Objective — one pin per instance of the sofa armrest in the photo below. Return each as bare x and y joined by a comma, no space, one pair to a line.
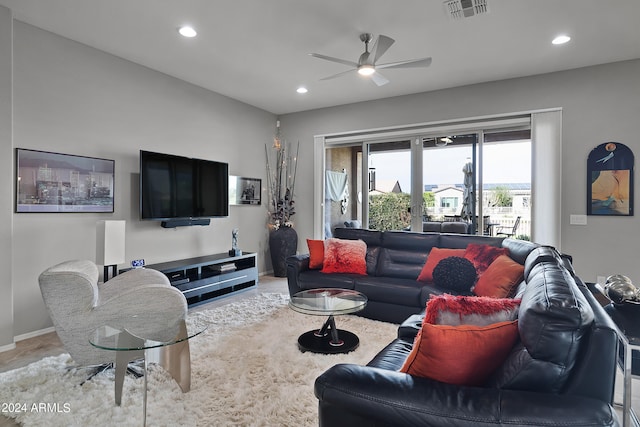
295,265
353,395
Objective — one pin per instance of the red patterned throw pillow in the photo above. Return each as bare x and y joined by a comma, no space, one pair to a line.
483,255
344,256
463,353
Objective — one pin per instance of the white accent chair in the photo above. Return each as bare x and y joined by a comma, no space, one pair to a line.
141,301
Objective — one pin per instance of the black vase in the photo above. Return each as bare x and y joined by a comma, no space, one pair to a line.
283,243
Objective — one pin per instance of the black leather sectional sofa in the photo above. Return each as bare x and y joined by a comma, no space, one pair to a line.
394,261
561,372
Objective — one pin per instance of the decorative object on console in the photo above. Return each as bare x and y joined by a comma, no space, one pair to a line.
620,289
234,243
282,165
110,246
610,180
54,182
344,256
137,263
455,273
461,354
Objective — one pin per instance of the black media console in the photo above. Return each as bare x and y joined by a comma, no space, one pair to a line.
203,278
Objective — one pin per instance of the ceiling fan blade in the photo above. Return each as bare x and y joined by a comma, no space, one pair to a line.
411,63
382,44
333,76
379,79
338,60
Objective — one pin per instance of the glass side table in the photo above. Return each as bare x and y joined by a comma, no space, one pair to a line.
328,302
130,347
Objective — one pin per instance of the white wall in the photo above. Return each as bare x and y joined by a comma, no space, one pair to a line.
599,104
6,171
74,99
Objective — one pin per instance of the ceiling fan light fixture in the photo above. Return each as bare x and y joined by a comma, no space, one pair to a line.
366,70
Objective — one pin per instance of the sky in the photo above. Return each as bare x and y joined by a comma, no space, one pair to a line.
503,163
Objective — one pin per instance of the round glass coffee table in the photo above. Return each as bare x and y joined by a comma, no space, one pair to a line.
328,302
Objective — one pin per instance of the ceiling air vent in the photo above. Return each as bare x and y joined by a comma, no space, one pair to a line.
459,9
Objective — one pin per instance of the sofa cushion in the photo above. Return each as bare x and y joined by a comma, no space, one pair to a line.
483,255
398,263
316,253
554,320
396,291
313,279
463,355
370,237
455,273
435,256
500,278
344,256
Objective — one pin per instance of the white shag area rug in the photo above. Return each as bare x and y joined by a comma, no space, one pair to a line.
246,370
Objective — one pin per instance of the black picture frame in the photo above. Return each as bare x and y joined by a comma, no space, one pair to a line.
61,183
245,191
610,168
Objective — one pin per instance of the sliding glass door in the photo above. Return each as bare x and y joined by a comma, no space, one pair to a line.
481,176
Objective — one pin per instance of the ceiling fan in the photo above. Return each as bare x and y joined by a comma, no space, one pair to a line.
367,63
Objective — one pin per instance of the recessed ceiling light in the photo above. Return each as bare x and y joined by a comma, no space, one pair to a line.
561,39
302,89
187,31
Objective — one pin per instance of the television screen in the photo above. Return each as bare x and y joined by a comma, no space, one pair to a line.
176,187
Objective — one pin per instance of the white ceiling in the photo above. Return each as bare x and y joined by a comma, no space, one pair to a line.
256,51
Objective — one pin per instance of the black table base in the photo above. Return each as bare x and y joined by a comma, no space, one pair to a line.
328,340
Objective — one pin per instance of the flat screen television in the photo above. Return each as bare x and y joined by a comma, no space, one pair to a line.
174,188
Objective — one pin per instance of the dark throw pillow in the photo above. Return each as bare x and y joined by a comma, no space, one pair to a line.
455,273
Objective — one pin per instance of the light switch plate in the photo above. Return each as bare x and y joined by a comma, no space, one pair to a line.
578,219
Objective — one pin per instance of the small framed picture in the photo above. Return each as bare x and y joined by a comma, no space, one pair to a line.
245,191
55,182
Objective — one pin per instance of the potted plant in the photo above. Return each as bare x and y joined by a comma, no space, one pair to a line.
281,178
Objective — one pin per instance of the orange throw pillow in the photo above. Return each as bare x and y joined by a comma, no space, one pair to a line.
462,355
435,256
316,253
500,278
345,256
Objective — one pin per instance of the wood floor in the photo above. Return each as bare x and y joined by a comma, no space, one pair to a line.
34,349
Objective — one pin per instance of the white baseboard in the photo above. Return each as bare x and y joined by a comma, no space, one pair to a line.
33,334
7,347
